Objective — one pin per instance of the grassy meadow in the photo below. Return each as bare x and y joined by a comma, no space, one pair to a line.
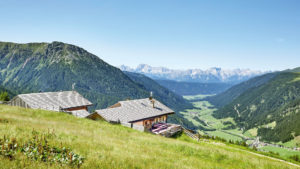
113,146
283,152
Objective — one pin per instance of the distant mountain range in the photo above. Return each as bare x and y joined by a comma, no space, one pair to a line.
212,75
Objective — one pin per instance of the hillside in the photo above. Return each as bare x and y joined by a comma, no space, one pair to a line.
3,89
35,67
194,88
232,93
105,145
270,105
287,121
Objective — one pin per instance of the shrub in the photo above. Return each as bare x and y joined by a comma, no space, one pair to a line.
38,149
295,158
8,147
4,96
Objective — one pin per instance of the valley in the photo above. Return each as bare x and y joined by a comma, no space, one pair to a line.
202,117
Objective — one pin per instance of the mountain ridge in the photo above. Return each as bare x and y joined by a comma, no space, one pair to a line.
194,88
212,75
35,67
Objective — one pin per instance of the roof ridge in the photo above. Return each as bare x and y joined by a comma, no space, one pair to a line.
137,99
48,92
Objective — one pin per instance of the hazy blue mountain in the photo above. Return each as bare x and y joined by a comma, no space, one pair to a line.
212,75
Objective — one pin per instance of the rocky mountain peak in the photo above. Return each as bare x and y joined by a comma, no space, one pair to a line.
211,75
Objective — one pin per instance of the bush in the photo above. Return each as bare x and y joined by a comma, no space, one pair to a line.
38,149
4,96
295,158
9,147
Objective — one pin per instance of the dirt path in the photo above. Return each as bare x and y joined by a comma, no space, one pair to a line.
272,158
260,155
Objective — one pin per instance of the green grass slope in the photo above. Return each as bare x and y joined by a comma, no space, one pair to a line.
113,146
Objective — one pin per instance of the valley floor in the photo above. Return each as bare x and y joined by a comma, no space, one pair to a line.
113,146
201,117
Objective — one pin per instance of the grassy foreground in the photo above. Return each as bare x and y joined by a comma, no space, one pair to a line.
113,146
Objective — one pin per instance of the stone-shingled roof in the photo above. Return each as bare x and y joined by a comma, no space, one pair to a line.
134,110
54,101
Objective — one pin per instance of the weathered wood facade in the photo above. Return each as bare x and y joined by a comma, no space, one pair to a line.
16,101
150,121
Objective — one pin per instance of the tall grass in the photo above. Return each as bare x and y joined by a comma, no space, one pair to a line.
113,146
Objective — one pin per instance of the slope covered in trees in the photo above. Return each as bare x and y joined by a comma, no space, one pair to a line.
229,95
161,93
55,66
275,101
194,88
287,124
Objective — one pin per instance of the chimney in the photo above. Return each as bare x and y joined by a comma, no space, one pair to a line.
151,99
73,86
151,96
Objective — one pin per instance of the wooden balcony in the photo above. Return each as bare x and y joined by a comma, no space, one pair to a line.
165,129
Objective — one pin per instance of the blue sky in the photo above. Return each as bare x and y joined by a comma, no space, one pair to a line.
256,34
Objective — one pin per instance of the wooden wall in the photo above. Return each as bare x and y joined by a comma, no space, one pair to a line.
148,122
18,102
78,108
